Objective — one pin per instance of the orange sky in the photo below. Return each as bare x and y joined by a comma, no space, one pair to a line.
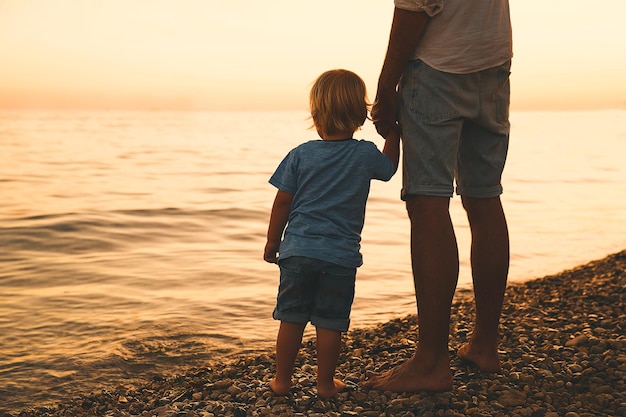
245,54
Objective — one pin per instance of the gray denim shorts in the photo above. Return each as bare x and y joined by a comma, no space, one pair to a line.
317,291
455,128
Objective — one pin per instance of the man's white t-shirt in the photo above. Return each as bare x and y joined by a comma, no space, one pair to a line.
463,36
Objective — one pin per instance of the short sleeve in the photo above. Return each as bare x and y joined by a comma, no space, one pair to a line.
430,7
382,167
285,178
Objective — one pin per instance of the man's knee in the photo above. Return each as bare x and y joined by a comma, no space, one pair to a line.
422,206
478,208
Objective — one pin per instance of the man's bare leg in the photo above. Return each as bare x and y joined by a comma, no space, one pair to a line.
490,266
435,262
288,345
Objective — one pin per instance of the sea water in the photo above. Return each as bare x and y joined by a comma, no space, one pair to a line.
131,242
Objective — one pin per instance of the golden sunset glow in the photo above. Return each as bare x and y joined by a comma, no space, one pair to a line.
219,55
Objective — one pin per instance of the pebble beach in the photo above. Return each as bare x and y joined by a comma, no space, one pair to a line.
563,351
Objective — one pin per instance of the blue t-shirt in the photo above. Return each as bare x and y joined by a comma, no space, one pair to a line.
330,181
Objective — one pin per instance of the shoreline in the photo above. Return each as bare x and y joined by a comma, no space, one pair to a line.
563,345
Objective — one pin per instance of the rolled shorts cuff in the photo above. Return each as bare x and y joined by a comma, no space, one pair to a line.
291,317
480,192
427,191
338,325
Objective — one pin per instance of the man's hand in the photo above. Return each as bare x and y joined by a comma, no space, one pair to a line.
385,111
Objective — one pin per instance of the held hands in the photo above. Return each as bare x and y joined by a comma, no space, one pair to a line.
385,111
271,252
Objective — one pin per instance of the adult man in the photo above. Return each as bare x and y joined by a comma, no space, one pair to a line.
445,79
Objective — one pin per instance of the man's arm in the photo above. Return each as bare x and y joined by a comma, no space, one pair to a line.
406,30
278,220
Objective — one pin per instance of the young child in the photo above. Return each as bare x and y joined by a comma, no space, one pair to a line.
323,186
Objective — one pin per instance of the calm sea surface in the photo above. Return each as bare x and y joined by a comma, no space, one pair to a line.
131,242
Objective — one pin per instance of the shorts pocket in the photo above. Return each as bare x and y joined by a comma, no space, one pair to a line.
503,94
428,93
335,294
293,287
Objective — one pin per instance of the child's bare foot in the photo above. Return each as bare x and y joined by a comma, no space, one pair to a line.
329,390
280,389
487,360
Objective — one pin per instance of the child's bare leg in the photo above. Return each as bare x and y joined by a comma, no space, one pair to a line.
288,344
328,350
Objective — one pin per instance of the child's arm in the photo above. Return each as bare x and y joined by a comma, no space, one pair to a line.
392,147
278,221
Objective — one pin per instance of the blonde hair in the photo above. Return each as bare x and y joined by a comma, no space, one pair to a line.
338,102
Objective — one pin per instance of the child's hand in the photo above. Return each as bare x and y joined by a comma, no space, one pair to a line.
271,252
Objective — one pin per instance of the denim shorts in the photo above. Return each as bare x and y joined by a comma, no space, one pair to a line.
455,128
317,291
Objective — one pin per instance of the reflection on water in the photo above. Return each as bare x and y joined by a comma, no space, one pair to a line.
132,241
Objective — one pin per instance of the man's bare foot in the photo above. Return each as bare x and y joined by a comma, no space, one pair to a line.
279,388
329,390
413,376
487,360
